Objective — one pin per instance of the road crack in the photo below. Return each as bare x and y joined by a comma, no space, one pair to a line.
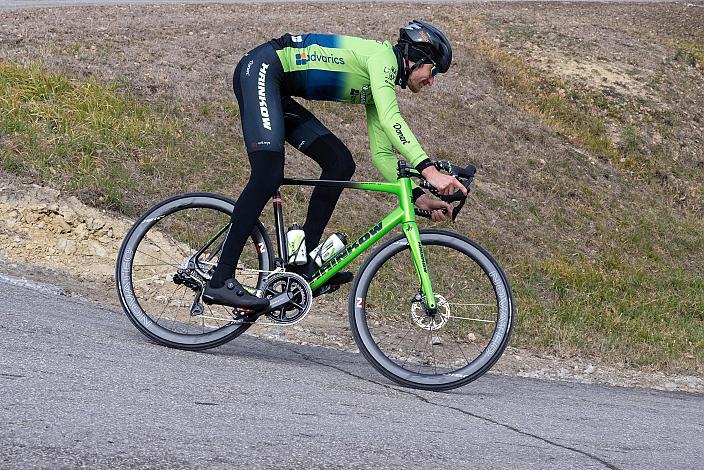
12,376
518,431
514,429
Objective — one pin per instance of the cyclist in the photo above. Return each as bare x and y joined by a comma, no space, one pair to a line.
332,68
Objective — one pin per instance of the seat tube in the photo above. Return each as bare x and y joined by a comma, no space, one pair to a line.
279,224
410,230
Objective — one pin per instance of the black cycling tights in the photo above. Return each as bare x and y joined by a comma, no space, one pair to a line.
336,163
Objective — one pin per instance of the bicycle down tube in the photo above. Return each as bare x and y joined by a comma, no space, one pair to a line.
404,215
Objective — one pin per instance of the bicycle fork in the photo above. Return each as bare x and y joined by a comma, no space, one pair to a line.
410,229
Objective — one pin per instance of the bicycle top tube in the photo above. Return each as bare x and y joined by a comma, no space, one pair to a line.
386,187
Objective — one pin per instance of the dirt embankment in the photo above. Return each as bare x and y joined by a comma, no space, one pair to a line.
50,237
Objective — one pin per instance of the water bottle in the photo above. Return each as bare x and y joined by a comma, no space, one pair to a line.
329,248
296,245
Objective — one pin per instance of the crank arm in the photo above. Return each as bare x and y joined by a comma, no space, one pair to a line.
279,300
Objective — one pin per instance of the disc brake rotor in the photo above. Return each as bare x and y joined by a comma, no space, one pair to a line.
430,322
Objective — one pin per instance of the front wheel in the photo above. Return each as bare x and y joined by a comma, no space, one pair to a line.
438,350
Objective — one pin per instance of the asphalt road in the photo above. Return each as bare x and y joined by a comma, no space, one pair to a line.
80,386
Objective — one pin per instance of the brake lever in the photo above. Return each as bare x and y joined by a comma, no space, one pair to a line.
429,214
457,196
465,173
456,210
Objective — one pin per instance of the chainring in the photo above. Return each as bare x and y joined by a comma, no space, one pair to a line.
298,289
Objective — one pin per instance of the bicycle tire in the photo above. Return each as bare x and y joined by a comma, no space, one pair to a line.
163,237
378,315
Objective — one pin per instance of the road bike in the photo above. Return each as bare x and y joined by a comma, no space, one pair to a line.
429,309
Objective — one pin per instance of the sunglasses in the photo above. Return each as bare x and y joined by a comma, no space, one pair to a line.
434,70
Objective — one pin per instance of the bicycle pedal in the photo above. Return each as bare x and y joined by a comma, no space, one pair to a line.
243,314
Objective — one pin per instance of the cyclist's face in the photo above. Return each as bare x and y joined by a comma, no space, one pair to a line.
422,76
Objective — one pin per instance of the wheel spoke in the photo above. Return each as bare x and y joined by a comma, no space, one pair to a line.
167,263
473,319
161,250
471,305
466,361
166,305
152,278
173,321
140,265
432,347
413,346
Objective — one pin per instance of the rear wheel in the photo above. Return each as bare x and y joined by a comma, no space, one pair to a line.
438,350
165,261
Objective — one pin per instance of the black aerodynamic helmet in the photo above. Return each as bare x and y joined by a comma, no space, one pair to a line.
420,41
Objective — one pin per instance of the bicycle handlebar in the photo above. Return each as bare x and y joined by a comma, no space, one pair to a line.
463,175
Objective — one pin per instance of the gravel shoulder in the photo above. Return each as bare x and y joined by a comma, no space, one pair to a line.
53,238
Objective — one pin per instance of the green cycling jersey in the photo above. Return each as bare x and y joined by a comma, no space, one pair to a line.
353,70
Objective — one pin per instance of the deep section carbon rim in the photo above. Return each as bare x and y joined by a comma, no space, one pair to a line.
432,350
166,259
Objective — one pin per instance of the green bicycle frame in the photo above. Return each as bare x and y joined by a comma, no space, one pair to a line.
404,214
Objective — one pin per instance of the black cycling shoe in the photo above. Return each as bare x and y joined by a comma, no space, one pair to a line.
333,283
343,277
232,294
307,270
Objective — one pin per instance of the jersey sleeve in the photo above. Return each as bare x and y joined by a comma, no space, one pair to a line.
382,77
383,156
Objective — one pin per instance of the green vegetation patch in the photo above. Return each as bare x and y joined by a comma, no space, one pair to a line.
81,135
86,137
605,123
690,53
637,297
633,313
